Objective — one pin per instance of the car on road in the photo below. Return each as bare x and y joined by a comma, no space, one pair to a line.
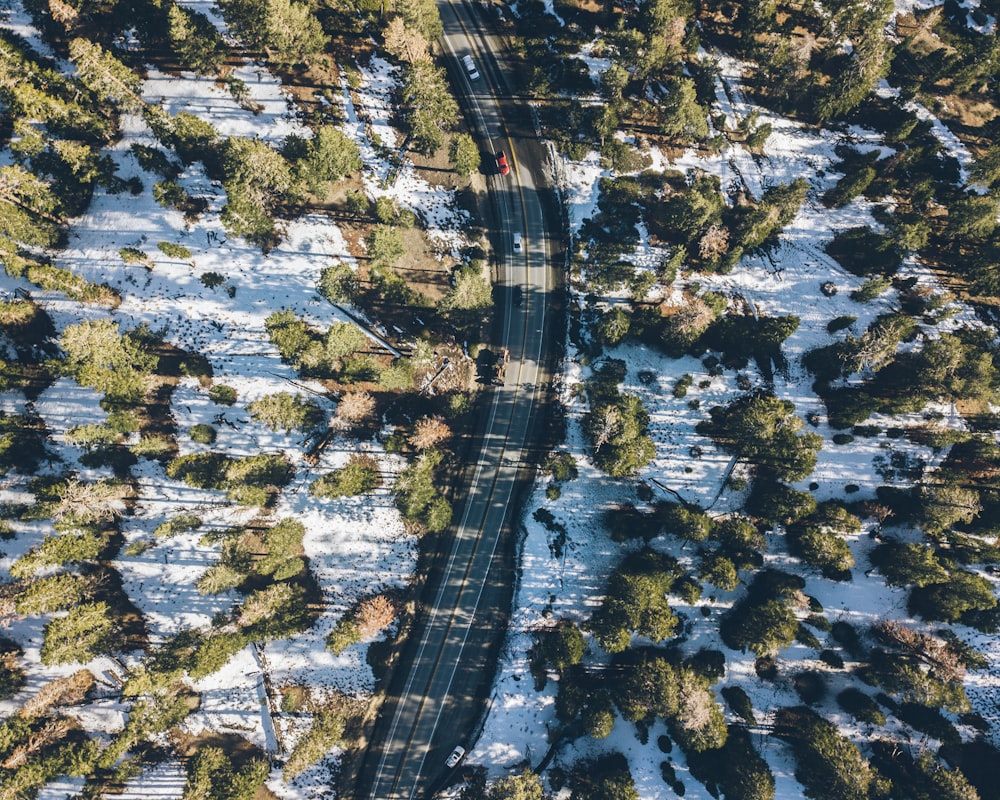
455,756
470,68
502,166
517,243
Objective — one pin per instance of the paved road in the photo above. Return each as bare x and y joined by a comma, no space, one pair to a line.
431,710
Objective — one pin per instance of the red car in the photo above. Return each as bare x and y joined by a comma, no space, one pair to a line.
502,166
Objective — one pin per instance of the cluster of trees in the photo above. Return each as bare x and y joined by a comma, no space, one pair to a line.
828,765
954,366
764,620
635,601
251,480
212,775
286,30
256,555
344,353
616,423
418,496
764,432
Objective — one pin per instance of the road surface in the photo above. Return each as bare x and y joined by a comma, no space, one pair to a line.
430,707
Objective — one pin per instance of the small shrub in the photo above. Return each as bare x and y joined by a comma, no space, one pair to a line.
138,547
739,701
182,523
831,658
84,633
287,412
152,447
222,395
211,280
870,289
361,475
345,633
860,706
326,733
561,466
806,637
202,434
133,256
810,686
840,323
173,250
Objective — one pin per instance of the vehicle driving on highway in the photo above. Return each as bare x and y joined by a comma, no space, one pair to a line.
517,243
455,756
502,166
470,68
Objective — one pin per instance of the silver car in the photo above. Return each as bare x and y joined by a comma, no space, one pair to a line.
470,68
455,757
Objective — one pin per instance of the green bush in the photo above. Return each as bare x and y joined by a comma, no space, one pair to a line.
603,778
86,632
561,466
635,602
416,495
222,395
736,769
202,434
360,476
840,323
53,593
344,634
860,706
211,280
765,432
283,546
326,733
132,255
739,702
67,548
762,621
950,601
173,250
12,676
287,412
829,766
211,775
338,283
182,523
870,289
683,384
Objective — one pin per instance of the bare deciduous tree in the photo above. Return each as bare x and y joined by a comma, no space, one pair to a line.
355,408
63,691
406,45
429,431
92,502
714,243
375,614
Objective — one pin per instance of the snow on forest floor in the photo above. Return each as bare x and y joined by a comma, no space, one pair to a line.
568,582
355,545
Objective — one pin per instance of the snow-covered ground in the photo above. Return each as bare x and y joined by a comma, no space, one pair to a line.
355,545
569,584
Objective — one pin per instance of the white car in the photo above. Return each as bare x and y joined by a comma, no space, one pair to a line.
517,243
470,68
455,757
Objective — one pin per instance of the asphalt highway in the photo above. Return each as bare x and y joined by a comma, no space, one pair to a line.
429,712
